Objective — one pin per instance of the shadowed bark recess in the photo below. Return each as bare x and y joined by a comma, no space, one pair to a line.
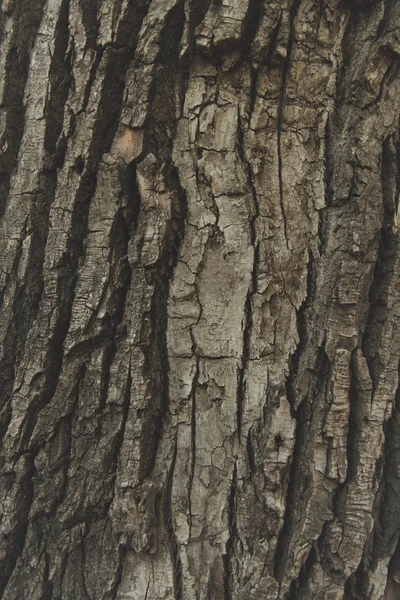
199,300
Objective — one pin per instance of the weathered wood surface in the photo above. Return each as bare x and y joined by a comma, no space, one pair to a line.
200,286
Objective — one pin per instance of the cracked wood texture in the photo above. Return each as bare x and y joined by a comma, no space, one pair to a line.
200,300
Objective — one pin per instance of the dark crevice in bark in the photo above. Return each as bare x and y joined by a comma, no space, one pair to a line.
328,186
5,15
297,487
85,348
122,53
249,27
248,308
328,166
360,4
57,448
394,564
388,76
94,511
160,132
16,536
124,224
12,275
167,509
130,195
253,91
356,413
247,327
237,46
390,16
156,365
250,451
27,18
160,123
300,478
197,12
387,17
356,587
230,556
60,78
114,454
116,445
323,223
299,589
156,369
58,452
386,515
114,588
156,353
129,27
357,420
47,586
61,575
74,561
89,20
120,275
85,100
301,319
7,363
82,562
388,526
29,291
192,442
345,72
108,357
274,41
63,430
281,109
350,93
323,557
384,268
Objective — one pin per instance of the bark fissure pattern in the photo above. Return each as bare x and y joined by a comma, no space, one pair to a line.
199,285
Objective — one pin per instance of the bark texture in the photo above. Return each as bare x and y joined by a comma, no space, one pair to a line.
200,300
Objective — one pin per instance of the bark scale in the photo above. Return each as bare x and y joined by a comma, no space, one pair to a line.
200,292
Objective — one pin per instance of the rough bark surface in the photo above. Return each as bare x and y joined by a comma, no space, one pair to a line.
200,299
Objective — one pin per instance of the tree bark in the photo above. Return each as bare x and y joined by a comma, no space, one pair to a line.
200,299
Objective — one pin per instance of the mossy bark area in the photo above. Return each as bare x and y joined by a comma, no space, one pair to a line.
200,300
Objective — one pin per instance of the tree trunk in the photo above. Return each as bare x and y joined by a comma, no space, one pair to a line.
200,286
